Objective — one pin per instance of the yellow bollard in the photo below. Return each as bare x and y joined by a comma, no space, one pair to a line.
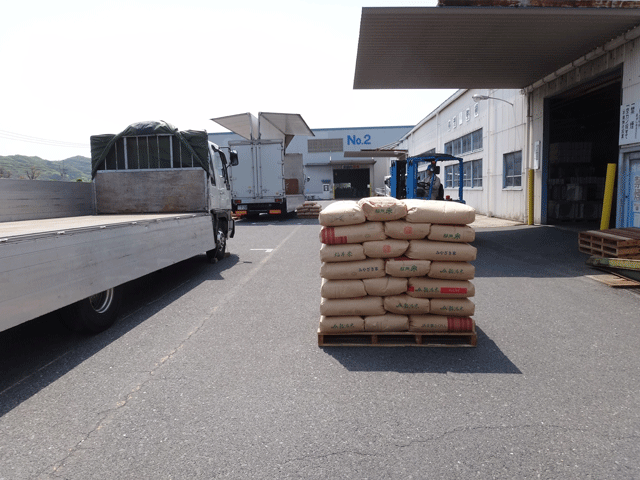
608,196
530,188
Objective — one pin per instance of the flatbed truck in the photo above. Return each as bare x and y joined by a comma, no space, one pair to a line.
158,196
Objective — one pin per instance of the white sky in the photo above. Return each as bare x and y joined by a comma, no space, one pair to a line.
70,69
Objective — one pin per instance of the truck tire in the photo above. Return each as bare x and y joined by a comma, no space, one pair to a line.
221,243
94,314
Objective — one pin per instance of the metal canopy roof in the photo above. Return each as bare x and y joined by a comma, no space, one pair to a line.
478,47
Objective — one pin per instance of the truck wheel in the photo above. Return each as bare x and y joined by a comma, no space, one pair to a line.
94,314
221,243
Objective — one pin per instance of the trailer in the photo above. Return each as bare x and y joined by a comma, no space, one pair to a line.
158,196
269,180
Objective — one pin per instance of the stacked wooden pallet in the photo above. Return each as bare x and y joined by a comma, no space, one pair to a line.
397,273
309,210
612,243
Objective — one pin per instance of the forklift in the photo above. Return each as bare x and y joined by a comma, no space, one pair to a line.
405,181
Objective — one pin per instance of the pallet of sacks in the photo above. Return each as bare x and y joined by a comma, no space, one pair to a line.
397,273
309,210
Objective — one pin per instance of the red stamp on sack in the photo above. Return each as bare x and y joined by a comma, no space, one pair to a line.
453,290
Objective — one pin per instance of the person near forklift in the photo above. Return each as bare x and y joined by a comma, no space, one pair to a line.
437,193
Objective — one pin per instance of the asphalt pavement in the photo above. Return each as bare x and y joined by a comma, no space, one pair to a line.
213,371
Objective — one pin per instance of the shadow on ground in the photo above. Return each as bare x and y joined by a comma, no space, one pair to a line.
486,357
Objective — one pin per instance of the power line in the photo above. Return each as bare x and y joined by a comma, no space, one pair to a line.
42,141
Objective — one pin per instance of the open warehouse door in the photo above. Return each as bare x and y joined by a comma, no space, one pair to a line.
582,128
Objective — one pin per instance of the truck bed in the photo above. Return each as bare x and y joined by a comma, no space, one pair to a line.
50,263
12,231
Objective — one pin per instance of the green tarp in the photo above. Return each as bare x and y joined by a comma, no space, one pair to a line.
193,141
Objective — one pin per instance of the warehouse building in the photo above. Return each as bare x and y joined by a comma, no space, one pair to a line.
328,173
544,110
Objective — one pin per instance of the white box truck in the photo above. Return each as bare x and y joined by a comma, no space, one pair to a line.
158,196
268,180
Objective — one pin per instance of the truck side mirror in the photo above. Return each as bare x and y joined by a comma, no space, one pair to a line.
437,170
233,158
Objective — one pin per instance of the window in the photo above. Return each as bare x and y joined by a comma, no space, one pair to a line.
452,176
476,173
471,142
512,170
476,110
467,115
466,170
471,175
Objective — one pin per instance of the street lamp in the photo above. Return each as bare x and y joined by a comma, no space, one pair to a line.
477,98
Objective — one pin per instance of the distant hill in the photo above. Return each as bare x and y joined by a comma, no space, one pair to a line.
20,166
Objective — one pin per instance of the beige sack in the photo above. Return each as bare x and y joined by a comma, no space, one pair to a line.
452,270
336,307
344,324
452,233
423,287
353,233
439,323
347,252
382,209
406,305
403,230
342,288
389,322
344,212
443,251
388,248
460,307
407,267
385,286
436,211
370,268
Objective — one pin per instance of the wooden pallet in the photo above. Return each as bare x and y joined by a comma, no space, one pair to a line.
612,243
398,339
614,280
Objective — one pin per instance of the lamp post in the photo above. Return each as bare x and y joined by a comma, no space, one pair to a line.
477,98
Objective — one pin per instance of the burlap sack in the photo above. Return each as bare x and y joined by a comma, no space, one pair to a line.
443,212
382,209
337,307
407,267
462,307
406,305
439,323
389,322
388,248
443,251
370,268
452,270
344,212
363,232
452,233
342,288
423,287
385,286
347,252
403,230
345,324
